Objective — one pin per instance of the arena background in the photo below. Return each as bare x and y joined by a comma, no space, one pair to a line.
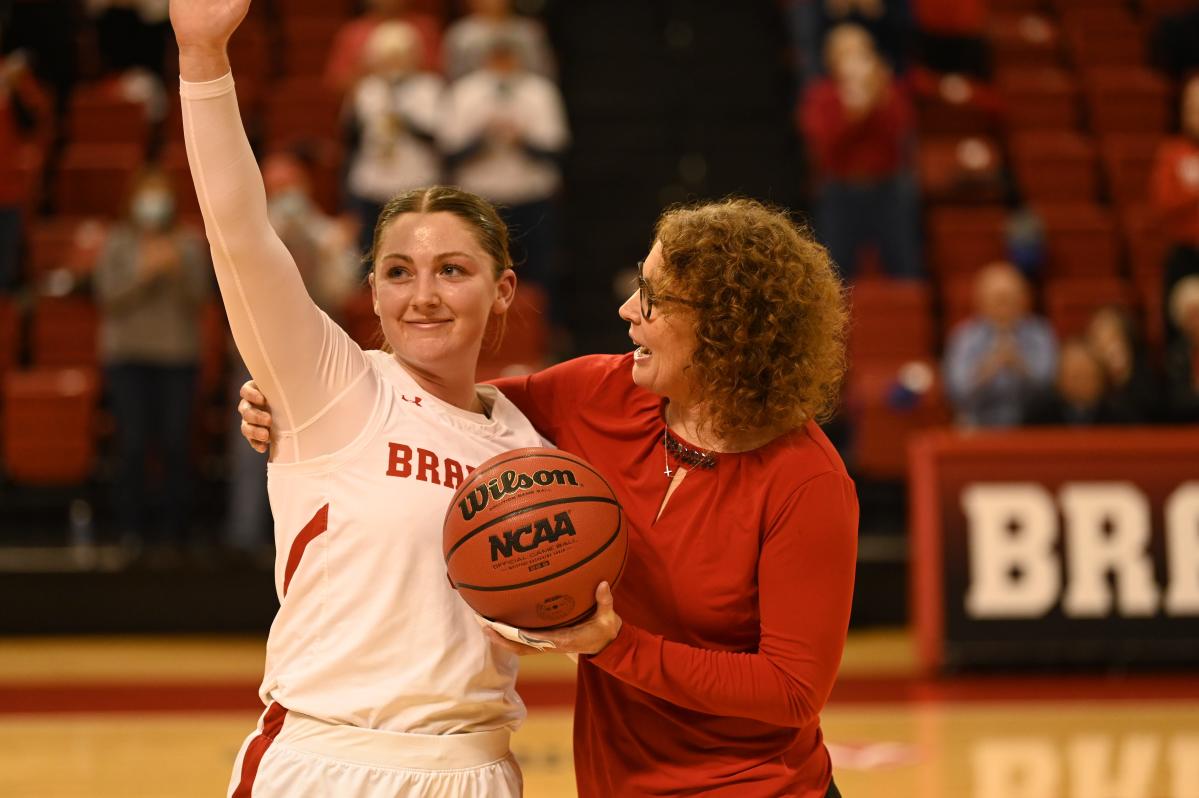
1026,615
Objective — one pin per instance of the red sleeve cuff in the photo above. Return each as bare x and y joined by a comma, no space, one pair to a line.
619,651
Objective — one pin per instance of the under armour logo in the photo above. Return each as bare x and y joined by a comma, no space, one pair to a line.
415,401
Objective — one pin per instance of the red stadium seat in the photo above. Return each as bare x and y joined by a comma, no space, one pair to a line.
103,113
64,242
64,332
885,417
50,426
95,179
302,110
1157,8
1070,303
306,44
21,175
1024,40
891,321
963,240
1127,164
1055,166
1040,98
967,170
953,105
1144,238
315,8
1081,239
957,302
1127,100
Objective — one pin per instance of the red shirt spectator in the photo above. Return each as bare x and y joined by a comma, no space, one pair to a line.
345,55
1175,189
849,146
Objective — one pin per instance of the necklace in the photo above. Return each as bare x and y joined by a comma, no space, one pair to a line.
692,458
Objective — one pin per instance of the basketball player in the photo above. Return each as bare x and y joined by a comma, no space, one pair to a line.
707,672
378,681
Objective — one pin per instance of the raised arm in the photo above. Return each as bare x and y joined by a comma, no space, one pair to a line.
297,355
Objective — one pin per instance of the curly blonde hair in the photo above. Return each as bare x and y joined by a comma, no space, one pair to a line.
770,349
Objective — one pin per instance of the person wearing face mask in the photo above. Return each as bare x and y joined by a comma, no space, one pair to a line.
150,283
706,671
392,113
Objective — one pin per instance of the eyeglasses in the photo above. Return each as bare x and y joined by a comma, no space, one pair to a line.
649,298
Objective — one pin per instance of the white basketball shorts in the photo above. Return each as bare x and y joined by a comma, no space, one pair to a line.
295,756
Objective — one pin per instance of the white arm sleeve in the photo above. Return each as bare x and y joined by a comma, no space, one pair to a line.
303,362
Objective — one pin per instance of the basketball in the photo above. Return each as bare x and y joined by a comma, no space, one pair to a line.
530,535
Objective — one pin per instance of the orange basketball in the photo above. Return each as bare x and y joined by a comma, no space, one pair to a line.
530,535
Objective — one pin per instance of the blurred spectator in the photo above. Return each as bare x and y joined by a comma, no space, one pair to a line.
859,126
1133,392
503,131
949,36
329,264
151,282
1175,195
468,39
19,103
1182,363
888,22
1002,357
323,246
345,64
131,33
393,115
1079,395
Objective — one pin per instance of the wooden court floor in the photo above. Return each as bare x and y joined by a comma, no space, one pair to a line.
157,718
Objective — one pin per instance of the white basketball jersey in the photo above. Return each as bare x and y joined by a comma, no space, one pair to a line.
369,631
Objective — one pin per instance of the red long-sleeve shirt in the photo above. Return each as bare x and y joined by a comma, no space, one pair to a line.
871,147
735,602
1176,201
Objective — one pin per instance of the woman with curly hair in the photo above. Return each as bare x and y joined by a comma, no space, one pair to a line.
706,673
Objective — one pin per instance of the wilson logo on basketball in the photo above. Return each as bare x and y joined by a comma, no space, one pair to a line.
541,533
508,483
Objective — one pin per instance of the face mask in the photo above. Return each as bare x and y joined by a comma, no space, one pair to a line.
288,205
153,209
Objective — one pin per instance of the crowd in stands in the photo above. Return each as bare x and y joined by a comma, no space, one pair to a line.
1010,188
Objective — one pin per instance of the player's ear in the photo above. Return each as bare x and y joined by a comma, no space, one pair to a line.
370,278
505,286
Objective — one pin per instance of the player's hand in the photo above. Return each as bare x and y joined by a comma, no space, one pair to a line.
591,636
206,24
255,417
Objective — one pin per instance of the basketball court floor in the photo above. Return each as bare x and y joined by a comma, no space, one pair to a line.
163,717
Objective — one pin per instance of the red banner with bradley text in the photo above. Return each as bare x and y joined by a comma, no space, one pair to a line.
1050,548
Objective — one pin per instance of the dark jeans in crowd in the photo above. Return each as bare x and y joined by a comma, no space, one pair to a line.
248,526
533,237
886,214
366,211
10,248
152,406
